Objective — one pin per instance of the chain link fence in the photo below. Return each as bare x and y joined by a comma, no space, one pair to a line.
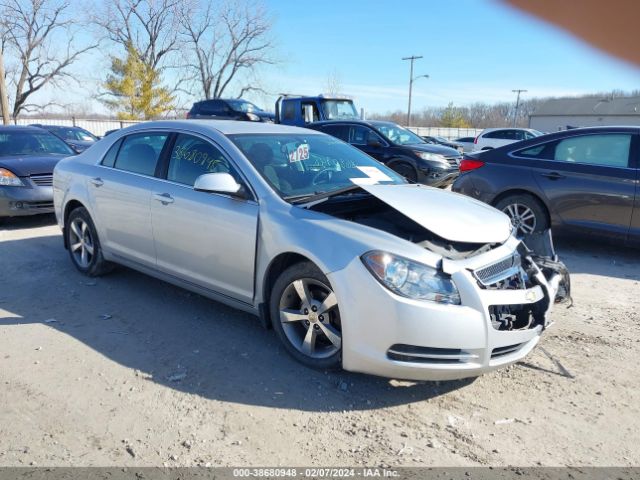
448,133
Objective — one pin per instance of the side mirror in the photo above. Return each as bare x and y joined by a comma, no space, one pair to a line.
219,183
373,141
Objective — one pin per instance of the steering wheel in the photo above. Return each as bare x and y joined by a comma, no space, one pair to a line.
318,176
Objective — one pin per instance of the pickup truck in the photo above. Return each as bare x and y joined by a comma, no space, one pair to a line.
300,110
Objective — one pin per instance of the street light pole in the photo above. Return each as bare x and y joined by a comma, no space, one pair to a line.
515,115
411,58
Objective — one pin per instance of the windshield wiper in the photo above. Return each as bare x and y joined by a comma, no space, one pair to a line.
311,197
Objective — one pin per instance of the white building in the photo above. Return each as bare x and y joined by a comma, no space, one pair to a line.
561,113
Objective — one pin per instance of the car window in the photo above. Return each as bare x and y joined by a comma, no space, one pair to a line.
529,135
288,111
109,159
315,116
359,135
23,142
610,150
308,164
191,157
338,131
140,153
517,134
495,134
212,107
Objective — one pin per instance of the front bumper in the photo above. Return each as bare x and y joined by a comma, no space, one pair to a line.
31,199
435,176
397,337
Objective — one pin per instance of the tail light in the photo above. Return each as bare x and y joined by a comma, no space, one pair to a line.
188,115
475,140
468,164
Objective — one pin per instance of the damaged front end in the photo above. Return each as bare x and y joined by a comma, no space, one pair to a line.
534,263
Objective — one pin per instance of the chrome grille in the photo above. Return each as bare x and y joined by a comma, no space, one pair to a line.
498,271
454,161
42,180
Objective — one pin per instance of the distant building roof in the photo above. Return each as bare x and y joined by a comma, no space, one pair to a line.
589,106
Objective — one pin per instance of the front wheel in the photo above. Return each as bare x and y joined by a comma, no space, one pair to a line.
406,170
304,312
84,245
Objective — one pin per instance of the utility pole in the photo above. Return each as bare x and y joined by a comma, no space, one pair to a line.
411,79
515,115
4,101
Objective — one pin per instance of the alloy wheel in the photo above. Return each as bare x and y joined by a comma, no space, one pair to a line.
522,217
81,242
310,318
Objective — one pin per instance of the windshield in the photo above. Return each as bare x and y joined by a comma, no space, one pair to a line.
29,143
339,109
243,106
68,133
298,165
399,135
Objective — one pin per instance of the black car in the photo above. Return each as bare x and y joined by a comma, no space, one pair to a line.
583,180
442,141
27,158
398,148
77,138
229,109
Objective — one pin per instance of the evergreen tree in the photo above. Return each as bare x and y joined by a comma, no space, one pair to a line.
135,89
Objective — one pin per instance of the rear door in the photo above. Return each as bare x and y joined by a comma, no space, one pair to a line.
121,196
634,230
204,238
588,181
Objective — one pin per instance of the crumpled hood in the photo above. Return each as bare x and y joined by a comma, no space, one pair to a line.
23,166
449,215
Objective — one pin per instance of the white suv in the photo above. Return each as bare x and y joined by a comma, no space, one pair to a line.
497,137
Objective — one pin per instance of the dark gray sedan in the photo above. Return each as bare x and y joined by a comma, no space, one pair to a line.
27,158
584,180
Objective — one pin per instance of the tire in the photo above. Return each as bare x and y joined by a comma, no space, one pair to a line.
526,212
305,316
84,245
406,170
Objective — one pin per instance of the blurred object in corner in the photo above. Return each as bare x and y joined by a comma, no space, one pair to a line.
611,26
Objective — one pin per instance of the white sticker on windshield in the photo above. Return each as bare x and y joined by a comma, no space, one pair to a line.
364,181
299,154
375,174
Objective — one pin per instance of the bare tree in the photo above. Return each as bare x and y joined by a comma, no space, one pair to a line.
149,26
225,41
39,34
334,83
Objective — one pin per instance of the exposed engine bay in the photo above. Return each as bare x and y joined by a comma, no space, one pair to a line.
534,263
368,210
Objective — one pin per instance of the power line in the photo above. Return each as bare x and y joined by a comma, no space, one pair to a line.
411,80
515,115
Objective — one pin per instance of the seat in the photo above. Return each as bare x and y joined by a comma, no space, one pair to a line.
138,158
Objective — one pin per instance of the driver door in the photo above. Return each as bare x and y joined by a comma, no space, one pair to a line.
204,238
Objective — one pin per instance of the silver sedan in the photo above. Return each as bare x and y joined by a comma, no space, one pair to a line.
351,265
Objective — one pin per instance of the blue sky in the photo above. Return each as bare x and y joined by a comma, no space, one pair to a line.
474,50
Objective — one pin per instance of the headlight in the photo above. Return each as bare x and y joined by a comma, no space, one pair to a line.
253,117
411,279
9,179
434,157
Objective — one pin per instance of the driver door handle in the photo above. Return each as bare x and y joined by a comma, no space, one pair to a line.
163,198
97,181
553,175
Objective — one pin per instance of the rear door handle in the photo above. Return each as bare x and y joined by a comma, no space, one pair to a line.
553,176
97,181
163,198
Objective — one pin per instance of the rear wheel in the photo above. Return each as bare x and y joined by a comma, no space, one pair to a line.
305,316
84,245
406,170
526,212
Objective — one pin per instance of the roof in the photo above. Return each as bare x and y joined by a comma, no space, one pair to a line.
357,121
589,106
226,127
21,128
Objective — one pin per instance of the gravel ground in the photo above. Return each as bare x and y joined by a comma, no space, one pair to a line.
128,370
